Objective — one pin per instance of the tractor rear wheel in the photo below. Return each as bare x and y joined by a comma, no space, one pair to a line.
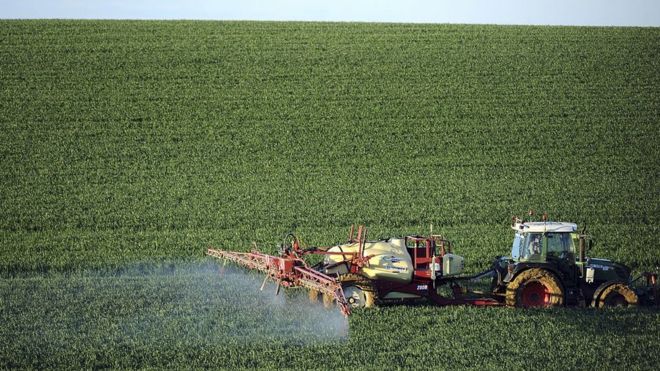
534,288
617,295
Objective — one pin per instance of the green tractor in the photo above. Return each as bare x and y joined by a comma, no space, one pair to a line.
549,267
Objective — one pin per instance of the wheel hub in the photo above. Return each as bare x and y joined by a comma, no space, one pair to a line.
355,296
535,294
616,301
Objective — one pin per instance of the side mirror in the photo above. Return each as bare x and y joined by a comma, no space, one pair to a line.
585,245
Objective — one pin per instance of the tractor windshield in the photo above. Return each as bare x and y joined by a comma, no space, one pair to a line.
531,246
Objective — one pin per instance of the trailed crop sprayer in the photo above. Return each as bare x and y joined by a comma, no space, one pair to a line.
361,273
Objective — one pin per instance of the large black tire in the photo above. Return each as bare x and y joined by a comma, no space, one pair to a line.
534,288
617,295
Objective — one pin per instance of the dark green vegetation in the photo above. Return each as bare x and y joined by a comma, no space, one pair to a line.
148,141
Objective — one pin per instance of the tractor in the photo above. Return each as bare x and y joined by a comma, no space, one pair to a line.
549,267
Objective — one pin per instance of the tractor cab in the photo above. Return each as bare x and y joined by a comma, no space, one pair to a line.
540,242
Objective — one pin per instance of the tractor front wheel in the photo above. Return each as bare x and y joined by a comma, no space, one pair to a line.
534,288
617,295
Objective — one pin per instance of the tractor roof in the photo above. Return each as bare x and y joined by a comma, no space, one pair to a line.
545,227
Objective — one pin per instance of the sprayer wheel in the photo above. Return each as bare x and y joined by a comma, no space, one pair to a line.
357,297
534,288
617,295
358,290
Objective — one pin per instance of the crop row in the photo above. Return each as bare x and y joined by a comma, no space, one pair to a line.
233,132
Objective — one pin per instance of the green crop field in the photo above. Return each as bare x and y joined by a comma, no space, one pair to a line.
129,147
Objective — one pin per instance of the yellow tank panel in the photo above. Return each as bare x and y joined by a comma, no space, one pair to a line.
390,260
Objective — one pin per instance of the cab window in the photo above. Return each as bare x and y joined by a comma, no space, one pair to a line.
560,245
515,249
532,245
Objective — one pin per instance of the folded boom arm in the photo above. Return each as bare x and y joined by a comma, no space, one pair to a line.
287,271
